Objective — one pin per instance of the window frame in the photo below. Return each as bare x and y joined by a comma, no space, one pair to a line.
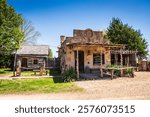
35,63
98,57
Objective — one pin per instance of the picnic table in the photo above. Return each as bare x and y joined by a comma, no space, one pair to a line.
112,69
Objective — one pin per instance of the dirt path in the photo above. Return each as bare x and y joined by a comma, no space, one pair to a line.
120,88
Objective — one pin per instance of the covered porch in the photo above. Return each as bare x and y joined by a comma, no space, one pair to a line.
108,55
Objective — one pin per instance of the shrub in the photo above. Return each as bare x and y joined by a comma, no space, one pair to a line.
54,72
129,71
69,75
117,72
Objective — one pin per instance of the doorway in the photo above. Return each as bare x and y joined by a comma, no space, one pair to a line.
24,62
80,61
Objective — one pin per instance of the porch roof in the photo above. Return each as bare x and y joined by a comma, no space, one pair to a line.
123,52
96,44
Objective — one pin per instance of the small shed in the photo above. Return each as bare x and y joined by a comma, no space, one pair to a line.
33,56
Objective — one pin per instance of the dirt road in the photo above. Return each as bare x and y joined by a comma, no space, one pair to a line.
120,88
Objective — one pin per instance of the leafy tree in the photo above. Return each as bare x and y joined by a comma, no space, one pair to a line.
30,35
10,31
50,55
120,33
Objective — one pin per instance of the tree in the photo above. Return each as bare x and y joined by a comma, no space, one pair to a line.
120,33
30,35
10,30
50,55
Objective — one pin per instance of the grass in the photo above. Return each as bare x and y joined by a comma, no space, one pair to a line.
27,73
5,71
42,85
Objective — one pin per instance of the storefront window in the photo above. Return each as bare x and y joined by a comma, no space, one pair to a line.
97,58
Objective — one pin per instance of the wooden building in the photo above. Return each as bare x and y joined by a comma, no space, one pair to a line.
33,56
144,65
89,50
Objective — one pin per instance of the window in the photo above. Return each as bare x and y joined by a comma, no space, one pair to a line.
97,58
35,61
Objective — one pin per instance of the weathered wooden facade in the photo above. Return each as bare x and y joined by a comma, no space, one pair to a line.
144,65
33,56
88,50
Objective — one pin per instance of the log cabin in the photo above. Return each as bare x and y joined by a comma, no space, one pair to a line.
33,56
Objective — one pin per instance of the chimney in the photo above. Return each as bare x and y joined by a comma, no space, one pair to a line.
62,39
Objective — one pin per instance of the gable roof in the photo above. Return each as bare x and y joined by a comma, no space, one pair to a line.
34,50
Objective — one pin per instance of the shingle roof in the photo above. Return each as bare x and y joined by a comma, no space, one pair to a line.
34,50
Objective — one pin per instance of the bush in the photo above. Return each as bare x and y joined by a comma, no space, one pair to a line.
117,72
4,70
58,80
69,75
54,72
129,72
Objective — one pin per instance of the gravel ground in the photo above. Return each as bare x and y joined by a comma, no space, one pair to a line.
119,88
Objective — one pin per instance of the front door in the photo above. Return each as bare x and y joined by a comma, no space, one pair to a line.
80,60
24,62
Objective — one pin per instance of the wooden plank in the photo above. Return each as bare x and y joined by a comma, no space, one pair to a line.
112,74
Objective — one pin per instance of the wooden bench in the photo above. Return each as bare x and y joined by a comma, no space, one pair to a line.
44,71
120,69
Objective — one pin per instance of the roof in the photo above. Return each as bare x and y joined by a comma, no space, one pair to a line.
97,44
34,50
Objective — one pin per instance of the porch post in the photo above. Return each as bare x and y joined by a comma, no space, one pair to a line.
14,67
121,62
136,61
77,67
128,60
115,54
121,57
101,70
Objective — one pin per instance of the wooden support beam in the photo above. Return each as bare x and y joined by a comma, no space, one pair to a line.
112,74
77,67
135,59
14,67
121,61
128,60
136,62
115,55
121,58
101,70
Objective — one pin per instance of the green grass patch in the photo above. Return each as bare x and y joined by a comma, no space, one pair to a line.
5,71
42,85
27,73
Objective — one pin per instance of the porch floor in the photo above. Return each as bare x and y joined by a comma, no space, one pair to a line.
94,76
89,76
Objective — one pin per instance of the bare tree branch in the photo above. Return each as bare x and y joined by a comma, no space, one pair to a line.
30,35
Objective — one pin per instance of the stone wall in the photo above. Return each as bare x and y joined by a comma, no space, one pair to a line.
88,56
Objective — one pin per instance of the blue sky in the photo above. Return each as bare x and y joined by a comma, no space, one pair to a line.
53,18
